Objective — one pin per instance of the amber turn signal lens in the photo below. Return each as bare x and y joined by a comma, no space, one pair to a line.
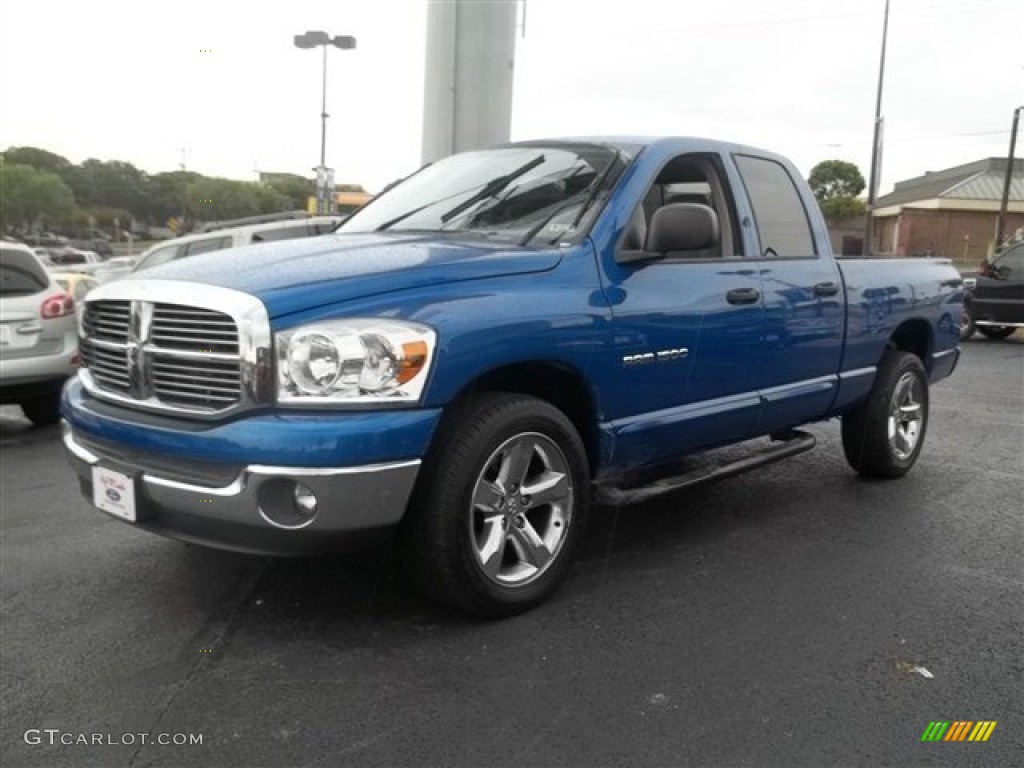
414,357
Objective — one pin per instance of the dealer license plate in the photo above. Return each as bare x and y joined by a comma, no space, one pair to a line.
114,492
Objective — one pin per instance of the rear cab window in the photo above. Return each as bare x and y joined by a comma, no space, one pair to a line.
783,228
21,274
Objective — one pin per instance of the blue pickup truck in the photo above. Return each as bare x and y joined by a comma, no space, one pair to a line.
493,344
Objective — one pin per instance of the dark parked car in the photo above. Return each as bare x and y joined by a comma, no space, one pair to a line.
994,301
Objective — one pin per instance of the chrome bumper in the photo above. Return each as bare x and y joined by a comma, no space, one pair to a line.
240,515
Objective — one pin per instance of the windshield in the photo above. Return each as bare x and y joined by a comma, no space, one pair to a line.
515,193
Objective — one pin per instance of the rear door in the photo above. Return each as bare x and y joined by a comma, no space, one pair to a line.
802,336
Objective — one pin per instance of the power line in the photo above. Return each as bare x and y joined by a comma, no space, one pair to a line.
933,137
974,5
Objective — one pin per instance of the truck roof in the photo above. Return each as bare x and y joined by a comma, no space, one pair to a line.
633,144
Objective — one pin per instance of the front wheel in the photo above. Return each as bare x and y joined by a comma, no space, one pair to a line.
996,331
499,507
883,436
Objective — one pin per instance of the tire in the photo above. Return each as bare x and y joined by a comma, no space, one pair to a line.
42,411
996,331
501,502
967,327
883,436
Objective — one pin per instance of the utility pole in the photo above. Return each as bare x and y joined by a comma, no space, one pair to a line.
1001,225
876,143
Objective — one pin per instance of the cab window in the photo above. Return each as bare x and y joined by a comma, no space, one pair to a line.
692,179
782,224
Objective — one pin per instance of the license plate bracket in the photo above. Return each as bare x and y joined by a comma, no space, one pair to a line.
116,493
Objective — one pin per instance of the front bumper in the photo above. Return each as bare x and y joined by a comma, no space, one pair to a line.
247,504
241,515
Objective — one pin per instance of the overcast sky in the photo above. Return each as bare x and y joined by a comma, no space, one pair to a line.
219,86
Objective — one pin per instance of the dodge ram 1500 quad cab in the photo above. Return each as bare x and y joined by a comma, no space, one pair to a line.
491,344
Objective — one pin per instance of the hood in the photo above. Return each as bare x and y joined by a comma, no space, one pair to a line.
297,275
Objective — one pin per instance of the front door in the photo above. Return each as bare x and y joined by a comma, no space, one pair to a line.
686,330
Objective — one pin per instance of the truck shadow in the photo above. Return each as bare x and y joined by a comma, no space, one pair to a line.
369,589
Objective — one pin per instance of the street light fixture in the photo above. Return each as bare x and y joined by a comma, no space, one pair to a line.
324,181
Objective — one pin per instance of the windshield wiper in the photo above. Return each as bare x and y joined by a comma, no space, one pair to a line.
491,188
591,197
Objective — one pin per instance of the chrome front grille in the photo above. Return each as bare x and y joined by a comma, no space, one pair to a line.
174,356
179,327
108,320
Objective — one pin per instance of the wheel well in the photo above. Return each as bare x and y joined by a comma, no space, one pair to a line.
560,385
914,336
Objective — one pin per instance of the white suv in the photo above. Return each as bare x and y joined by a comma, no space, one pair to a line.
233,237
38,343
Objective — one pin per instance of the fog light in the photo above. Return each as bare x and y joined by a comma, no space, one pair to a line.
285,503
305,500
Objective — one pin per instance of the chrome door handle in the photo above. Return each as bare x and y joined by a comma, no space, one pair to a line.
743,296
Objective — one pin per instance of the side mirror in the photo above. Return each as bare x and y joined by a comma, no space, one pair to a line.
1003,272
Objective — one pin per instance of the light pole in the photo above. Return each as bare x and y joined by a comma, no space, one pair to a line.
1001,226
324,180
876,142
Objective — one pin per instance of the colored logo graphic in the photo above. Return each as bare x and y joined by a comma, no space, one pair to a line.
958,730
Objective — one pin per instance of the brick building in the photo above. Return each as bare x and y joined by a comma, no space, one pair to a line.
951,213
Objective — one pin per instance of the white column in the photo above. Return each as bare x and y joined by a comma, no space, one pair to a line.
470,57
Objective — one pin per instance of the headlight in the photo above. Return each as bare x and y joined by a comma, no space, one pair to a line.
353,361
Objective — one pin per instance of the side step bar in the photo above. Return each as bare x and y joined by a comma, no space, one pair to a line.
790,444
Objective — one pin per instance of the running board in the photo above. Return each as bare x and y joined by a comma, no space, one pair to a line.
789,444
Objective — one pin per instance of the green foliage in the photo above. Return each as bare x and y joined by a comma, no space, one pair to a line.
168,194
41,185
40,159
835,178
210,199
839,208
30,197
113,184
296,188
836,184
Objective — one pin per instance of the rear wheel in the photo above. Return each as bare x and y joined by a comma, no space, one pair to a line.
883,436
42,411
499,507
996,331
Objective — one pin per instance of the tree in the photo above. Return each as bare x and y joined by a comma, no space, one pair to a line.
296,188
40,159
30,198
169,194
836,184
214,199
113,184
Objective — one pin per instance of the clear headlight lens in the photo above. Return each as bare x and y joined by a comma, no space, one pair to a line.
353,361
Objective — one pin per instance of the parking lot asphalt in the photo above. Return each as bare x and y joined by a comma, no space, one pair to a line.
794,616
